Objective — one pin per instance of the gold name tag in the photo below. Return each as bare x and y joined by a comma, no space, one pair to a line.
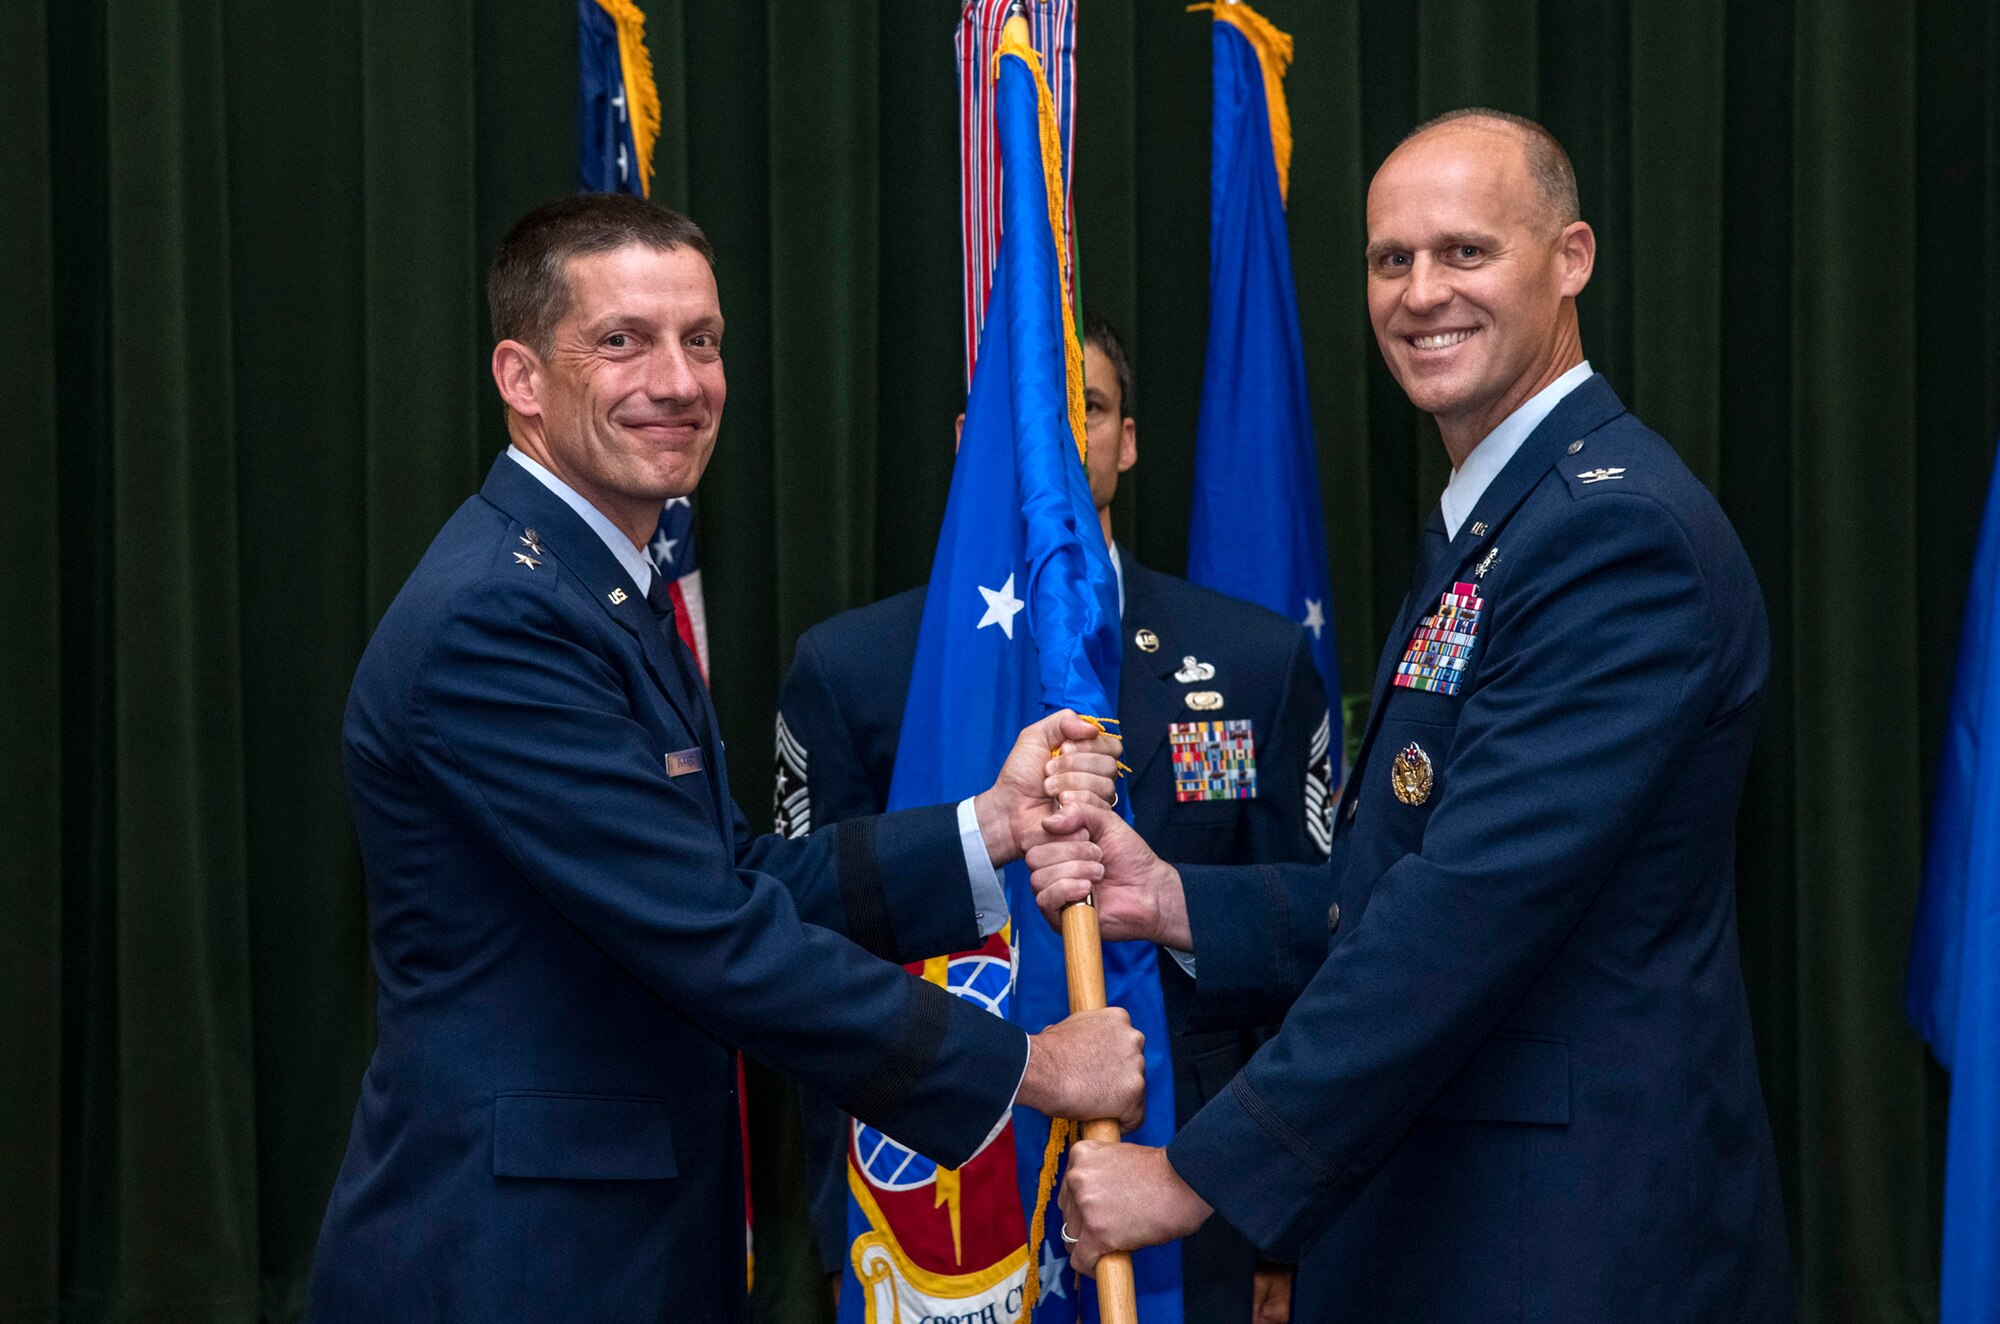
683,761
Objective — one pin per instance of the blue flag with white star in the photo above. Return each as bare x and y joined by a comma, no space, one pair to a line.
1021,619
616,121
1953,996
1257,531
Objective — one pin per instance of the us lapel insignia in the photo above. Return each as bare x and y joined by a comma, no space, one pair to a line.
1192,671
1440,648
1213,760
1204,701
522,558
618,596
1410,775
1148,641
532,541
1601,475
1479,528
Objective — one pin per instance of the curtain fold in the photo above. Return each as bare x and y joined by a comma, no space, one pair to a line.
248,372
31,732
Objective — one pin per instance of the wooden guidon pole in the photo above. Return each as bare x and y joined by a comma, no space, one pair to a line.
1083,959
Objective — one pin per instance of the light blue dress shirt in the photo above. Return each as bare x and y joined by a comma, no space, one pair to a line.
1470,480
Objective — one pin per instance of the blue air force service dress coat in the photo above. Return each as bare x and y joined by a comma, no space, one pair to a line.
572,927
1515,1078
1191,657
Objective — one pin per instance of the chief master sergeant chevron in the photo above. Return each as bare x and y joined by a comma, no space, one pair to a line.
1515,1078
571,924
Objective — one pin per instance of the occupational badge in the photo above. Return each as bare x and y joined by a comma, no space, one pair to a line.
1213,760
1192,671
1204,701
1440,649
1410,775
1148,641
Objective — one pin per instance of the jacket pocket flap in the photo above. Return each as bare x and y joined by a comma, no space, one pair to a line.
581,1136
1512,1078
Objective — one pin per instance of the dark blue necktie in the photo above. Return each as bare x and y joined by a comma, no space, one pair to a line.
1432,550
1436,546
693,694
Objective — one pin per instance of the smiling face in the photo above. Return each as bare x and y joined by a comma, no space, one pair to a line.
625,405
1472,280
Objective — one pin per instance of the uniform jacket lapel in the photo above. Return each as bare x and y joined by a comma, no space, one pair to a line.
1146,693
1581,412
519,495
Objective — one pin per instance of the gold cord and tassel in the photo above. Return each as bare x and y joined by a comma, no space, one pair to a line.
1274,54
642,94
1014,41
1061,1132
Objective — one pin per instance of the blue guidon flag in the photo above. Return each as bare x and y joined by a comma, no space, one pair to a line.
1257,531
1953,996
1021,619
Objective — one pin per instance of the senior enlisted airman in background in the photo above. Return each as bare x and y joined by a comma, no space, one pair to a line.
1515,1078
1227,677
571,925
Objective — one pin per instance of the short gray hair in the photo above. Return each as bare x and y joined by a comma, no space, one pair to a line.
1548,163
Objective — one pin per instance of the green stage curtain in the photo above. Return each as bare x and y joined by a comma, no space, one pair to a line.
245,364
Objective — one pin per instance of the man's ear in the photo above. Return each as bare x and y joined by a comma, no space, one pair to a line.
1577,251
1128,443
517,372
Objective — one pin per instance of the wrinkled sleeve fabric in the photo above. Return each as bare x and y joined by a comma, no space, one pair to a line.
1596,681
521,725
1287,823
900,906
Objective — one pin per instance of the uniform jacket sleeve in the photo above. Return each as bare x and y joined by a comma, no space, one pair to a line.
522,725
1596,679
823,783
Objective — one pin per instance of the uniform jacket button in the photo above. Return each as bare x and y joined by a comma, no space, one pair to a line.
1333,917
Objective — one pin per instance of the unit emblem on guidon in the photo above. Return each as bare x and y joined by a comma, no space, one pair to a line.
1410,775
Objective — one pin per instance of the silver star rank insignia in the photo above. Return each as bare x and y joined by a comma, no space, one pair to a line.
522,558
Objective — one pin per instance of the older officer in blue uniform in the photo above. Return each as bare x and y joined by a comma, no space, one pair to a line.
1515,1078
571,926
1191,656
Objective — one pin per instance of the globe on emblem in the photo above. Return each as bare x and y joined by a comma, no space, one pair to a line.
985,981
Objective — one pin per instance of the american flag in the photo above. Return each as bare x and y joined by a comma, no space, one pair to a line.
672,554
